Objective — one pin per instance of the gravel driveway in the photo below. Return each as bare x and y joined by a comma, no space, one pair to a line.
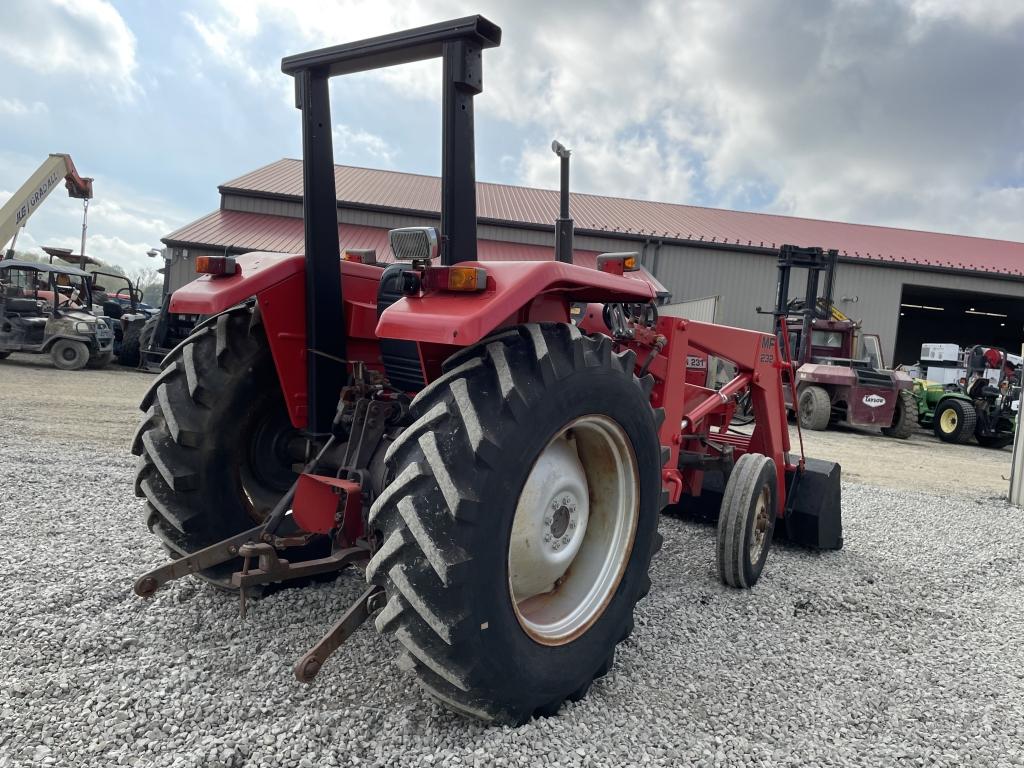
905,647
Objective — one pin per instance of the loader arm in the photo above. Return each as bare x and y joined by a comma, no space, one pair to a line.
16,212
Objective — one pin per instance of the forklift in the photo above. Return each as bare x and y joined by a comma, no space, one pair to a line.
840,374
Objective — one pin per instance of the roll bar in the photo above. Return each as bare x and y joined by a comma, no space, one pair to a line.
459,43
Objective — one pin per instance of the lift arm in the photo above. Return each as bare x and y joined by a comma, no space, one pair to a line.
23,203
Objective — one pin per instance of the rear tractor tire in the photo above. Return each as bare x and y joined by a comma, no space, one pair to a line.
128,355
904,418
814,408
997,442
747,520
215,447
69,355
102,360
519,522
955,421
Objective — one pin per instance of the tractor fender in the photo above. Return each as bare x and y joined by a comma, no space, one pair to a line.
254,273
277,282
516,292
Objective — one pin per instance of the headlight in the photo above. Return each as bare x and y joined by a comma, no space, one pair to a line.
83,327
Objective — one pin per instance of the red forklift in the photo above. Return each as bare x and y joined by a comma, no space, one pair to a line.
840,374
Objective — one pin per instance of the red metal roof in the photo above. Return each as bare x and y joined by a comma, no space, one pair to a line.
510,204
282,234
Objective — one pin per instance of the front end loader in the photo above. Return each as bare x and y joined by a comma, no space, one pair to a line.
495,470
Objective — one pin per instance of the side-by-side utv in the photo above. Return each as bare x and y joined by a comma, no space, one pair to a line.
44,309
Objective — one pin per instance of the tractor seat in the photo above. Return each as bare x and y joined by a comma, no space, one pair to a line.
401,358
23,306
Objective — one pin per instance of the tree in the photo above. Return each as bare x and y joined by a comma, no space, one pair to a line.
144,276
150,283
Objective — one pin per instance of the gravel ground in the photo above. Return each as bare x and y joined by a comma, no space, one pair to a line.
905,647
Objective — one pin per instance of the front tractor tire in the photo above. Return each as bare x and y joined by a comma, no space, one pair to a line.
955,421
814,407
519,522
904,418
215,446
746,521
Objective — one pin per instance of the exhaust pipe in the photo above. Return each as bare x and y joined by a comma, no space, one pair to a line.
563,225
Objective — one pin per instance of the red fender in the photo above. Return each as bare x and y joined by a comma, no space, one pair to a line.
277,280
517,291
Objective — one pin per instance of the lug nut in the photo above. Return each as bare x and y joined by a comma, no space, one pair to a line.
554,503
557,545
547,520
572,525
547,537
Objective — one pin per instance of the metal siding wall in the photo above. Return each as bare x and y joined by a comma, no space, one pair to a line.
746,280
742,280
261,205
183,268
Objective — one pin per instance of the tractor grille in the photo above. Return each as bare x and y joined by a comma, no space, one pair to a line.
870,378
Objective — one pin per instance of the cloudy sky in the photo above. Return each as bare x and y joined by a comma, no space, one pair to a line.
906,113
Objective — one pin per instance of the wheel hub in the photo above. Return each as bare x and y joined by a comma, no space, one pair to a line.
551,520
948,420
572,534
761,522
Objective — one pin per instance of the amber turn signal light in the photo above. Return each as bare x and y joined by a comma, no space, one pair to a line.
618,263
461,279
360,255
216,265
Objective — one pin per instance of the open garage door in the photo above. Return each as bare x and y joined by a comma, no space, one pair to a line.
956,317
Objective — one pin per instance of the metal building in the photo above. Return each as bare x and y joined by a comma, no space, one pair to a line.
907,286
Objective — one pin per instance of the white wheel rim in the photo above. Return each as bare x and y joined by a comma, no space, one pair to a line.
573,530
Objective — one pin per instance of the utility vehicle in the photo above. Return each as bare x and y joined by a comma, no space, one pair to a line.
44,309
984,410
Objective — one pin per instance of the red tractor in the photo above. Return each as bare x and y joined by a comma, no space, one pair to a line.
840,376
496,470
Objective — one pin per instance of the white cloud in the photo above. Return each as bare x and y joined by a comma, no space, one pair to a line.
355,144
17,108
84,39
634,166
899,113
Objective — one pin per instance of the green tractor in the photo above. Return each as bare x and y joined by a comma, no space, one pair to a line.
985,410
